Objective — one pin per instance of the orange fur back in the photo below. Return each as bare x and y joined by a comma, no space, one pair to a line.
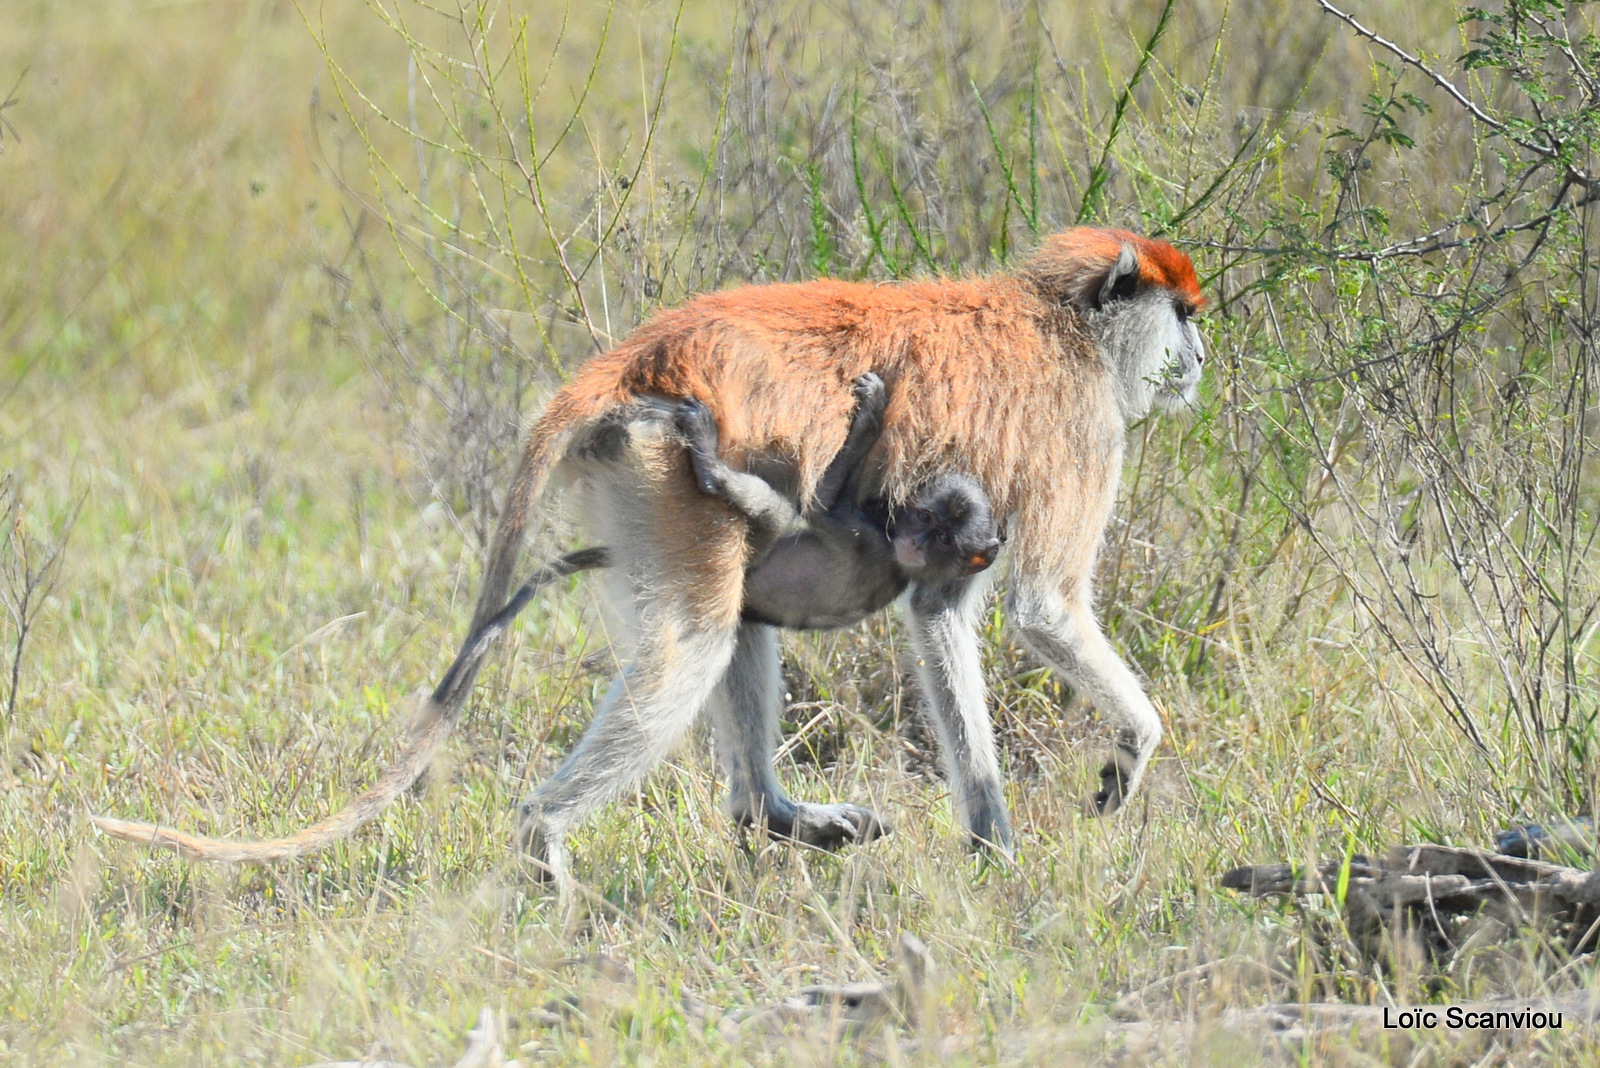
981,373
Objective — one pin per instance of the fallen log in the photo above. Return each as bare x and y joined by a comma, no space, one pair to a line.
1430,889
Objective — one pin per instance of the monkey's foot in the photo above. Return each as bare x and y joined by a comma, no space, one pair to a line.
545,855
990,834
825,826
699,429
1117,780
987,853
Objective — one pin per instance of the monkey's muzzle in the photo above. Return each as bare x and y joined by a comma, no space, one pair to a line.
980,560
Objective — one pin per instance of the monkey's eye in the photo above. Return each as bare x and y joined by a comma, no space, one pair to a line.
924,516
944,537
1182,311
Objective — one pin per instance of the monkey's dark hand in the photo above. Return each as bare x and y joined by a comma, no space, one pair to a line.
1114,780
869,390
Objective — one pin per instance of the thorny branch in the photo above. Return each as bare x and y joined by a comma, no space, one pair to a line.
1432,75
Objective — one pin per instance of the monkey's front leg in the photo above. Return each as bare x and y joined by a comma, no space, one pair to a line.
944,639
1063,632
744,713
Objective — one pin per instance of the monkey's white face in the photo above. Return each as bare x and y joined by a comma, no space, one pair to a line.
1154,351
1178,387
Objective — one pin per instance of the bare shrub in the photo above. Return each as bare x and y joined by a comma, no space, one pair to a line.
30,566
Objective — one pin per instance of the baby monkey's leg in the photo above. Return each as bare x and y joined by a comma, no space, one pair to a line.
770,515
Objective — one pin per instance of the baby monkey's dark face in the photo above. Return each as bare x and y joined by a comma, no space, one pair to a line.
947,530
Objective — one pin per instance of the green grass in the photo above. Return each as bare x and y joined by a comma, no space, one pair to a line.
283,373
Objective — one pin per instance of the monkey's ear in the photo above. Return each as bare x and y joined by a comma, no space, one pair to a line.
1122,280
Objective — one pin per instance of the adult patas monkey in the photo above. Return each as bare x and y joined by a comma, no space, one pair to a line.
1026,381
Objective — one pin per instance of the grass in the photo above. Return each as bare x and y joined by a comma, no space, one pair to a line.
278,284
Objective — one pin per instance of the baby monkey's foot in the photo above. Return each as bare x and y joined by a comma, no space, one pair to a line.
699,429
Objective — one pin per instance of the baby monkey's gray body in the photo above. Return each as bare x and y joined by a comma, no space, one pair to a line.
847,559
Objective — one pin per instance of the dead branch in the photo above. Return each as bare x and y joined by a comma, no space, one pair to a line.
1430,889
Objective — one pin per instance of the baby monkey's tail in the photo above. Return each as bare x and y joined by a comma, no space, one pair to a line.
428,736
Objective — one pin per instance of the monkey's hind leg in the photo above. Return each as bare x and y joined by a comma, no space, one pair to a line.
648,708
678,575
744,719
771,515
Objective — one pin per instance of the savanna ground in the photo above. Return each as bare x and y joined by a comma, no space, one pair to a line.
277,285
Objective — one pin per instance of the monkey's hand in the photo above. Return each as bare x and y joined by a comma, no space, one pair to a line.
1116,782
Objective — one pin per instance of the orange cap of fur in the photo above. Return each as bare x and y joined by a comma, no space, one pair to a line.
1067,261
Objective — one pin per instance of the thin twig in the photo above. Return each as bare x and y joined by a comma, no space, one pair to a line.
1434,76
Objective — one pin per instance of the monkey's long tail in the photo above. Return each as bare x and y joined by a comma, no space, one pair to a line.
434,726
596,388
419,753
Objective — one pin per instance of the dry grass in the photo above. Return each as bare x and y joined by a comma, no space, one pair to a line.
283,371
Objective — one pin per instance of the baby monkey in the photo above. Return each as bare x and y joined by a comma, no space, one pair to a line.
838,565
819,572
827,570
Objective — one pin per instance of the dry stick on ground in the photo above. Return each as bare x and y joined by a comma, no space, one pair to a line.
28,572
1425,887
1419,889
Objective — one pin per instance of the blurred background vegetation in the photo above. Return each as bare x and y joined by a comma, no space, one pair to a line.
278,283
